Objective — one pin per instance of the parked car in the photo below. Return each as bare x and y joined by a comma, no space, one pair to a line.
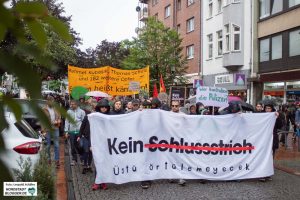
20,141
28,114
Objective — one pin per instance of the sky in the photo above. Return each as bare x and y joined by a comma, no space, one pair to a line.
97,20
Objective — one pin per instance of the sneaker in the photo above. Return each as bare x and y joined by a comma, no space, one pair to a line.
181,182
89,168
104,186
95,186
145,184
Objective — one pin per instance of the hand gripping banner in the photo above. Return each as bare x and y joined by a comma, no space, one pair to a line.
156,144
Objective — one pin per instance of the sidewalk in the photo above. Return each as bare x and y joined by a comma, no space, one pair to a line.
288,158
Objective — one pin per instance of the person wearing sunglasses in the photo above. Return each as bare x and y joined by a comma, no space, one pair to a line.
175,105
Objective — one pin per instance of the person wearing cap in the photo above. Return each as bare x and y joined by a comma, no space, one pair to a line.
72,129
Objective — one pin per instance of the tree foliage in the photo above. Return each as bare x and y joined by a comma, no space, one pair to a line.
110,54
26,17
160,48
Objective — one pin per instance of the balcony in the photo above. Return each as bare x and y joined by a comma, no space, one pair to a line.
143,14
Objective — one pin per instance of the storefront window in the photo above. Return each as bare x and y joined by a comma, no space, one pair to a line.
293,85
274,86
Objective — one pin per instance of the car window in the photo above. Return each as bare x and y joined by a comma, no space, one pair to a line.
26,129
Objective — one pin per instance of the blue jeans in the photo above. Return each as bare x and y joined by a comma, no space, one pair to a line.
55,135
73,142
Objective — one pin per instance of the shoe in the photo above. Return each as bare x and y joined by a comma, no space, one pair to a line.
89,168
104,186
95,186
172,180
145,184
57,164
262,179
73,163
181,182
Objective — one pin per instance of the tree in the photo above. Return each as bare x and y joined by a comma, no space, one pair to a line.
31,16
110,54
59,51
159,47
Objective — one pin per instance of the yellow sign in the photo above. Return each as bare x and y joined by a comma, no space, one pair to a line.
110,80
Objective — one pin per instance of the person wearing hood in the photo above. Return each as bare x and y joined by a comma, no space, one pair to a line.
117,108
104,108
278,125
155,103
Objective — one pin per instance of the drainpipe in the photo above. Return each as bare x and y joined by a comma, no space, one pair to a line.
201,42
251,53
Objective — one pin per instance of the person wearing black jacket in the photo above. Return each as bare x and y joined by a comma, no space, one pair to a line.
104,108
117,108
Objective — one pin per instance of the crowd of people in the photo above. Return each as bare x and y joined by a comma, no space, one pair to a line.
78,133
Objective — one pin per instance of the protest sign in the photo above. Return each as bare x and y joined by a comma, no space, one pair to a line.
212,96
156,144
107,79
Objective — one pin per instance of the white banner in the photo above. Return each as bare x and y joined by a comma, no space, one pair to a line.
157,144
212,96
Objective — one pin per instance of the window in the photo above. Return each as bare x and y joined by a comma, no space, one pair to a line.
178,4
264,54
236,38
293,3
294,43
220,42
210,8
190,25
178,28
277,47
167,11
227,38
156,16
190,52
220,4
154,2
210,45
276,6
264,8
190,2
270,7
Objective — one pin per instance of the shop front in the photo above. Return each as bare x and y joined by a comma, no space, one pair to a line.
235,83
283,91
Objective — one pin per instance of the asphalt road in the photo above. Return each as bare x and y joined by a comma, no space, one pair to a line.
283,186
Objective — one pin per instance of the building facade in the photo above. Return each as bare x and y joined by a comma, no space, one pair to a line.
183,16
227,45
276,69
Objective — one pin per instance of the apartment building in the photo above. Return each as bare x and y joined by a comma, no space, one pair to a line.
227,45
183,16
276,69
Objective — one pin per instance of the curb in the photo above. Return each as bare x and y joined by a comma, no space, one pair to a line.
288,170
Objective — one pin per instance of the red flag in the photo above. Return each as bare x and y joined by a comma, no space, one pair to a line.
155,92
161,85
